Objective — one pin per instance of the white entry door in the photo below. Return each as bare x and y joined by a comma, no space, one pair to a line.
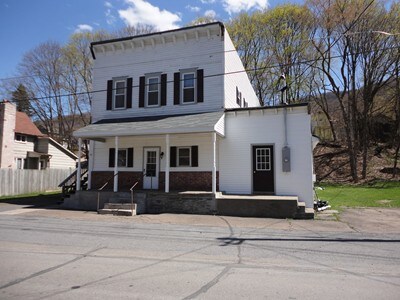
151,168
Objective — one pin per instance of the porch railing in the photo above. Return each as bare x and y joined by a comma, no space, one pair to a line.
131,189
100,189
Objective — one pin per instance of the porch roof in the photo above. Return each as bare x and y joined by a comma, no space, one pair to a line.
167,124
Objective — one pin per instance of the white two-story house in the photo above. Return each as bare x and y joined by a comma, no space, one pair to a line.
175,110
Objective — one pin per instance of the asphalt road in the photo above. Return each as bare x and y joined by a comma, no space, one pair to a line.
59,255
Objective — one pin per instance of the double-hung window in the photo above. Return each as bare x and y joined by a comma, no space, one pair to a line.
119,94
184,156
188,87
153,91
122,157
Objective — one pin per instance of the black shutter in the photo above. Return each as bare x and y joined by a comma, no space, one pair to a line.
130,157
177,88
141,91
195,156
129,84
163,89
172,160
109,94
111,158
200,85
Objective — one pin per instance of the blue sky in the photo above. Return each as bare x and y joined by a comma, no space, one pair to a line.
24,24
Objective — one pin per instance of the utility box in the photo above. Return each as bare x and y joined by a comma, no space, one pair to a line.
286,159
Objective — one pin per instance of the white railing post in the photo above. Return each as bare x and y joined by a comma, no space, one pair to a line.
116,165
167,159
214,168
79,171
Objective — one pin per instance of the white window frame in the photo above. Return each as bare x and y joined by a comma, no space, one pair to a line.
126,157
177,156
22,159
23,138
183,87
115,82
158,91
267,161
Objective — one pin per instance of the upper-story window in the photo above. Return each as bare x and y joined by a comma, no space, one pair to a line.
188,88
119,94
21,138
153,91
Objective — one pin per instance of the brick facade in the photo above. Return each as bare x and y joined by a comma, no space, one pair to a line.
125,180
178,181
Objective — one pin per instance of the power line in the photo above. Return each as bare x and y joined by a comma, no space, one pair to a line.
214,75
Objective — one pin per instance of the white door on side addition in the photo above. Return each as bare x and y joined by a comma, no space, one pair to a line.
151,168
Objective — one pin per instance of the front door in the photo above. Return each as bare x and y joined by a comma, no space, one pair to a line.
263,169
151,168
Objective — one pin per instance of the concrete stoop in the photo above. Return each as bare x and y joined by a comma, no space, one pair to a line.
118,209
263,206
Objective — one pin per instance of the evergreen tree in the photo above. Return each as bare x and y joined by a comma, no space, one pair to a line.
21,98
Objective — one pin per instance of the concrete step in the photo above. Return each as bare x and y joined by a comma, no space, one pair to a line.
308,214
119,206
117,212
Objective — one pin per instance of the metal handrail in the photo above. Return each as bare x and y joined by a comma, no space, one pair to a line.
131,189
100,189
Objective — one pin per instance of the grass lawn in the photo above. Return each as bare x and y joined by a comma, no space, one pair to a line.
380,194
31,195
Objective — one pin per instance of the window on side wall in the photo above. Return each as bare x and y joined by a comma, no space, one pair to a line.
153,91
21,138
188,87
119,94
20,162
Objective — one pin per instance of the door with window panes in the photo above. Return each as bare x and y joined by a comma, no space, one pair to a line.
263,169
151,168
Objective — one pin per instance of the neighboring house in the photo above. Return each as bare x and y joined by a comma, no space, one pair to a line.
178,112
23,146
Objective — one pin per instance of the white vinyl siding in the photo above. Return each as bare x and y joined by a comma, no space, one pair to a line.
59,160
243,131
204,53
237,79
202,140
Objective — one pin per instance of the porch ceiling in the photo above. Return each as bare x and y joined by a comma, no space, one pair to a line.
170,124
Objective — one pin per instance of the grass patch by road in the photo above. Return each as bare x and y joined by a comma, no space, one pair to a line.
30,195
379,194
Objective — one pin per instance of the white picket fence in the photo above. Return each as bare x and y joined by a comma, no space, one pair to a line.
17,182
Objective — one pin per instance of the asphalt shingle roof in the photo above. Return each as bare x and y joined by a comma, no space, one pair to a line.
193,123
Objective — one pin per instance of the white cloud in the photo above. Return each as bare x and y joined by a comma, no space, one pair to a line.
142,12
83,27
210,14
108,4
110,18
193,8
207,1
235,6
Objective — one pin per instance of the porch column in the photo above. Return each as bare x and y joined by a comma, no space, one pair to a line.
90,163
79,170
214,169
167,155
116,165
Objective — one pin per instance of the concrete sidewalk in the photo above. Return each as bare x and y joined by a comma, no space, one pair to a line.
368,220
